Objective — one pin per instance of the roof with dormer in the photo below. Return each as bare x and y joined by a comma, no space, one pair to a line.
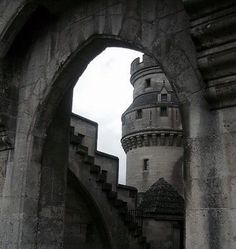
150,100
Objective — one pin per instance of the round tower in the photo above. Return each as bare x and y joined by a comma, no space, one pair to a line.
151,129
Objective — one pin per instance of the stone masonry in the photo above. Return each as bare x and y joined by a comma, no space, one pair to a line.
46,45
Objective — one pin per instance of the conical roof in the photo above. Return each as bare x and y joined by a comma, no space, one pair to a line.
162,199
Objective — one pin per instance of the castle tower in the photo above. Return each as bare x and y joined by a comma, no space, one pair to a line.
151,129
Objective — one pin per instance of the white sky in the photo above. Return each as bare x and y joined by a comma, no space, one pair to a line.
102,94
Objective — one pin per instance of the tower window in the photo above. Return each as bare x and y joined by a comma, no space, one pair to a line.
148,83
163,97
146,164
139,114
163,111
150,116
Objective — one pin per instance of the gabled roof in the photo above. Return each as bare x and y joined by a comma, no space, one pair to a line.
162,199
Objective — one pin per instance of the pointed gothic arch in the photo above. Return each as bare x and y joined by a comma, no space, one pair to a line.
53,62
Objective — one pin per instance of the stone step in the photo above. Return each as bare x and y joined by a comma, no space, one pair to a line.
106,187
119,203
88,160
82,150
112,195
95,169
75,139
102,177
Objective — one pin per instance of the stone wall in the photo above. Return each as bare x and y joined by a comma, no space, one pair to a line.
128,194
170,233
84,133
88,129
81,230
164,161
110,164
193,42
151,119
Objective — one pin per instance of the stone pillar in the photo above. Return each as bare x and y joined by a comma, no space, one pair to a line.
33,199
7,134
3,153
50,230
210,176
8,107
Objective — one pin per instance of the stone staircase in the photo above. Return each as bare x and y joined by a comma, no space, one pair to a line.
123,228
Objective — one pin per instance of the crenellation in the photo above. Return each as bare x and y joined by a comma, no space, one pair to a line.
140,65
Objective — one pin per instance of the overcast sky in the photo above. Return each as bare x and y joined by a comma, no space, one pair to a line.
102,94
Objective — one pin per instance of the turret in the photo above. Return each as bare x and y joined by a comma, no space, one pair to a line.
151,129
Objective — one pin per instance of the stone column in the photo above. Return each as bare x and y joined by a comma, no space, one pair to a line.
51,209
33,200
7,127
3,154
210,176
8,114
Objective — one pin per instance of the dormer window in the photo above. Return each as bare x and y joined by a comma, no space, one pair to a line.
147,83
163,97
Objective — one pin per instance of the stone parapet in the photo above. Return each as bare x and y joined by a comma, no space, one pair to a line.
137,64
140,68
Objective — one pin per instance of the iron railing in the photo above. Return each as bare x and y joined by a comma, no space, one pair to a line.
136,216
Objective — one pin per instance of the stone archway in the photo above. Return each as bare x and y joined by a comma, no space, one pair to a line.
79,200
47,73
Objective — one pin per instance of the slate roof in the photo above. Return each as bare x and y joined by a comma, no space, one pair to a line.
150,99
162,199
